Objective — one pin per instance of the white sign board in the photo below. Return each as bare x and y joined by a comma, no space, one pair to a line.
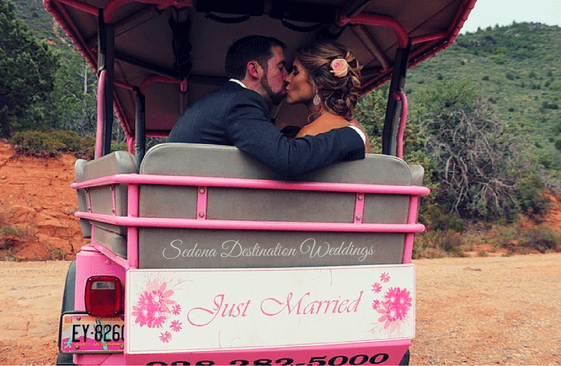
218,309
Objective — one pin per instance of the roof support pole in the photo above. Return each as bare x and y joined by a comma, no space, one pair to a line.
140,126
392,121
106,62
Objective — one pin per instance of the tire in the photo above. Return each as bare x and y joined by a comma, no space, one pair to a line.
68,305
405,359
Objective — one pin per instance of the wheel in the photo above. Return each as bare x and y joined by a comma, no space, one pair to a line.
405,359
68,305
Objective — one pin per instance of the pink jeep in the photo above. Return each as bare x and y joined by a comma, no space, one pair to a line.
200,254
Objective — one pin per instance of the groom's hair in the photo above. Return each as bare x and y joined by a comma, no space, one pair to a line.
250,48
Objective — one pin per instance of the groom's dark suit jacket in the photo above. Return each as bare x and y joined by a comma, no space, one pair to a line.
234,115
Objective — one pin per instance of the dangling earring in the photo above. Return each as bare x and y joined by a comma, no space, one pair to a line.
317,99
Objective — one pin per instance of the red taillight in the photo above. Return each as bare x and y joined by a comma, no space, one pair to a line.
104,296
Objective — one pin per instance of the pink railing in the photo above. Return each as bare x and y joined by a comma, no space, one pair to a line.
133,222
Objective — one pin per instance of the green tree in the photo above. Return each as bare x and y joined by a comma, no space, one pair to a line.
477,156
27,69
73,99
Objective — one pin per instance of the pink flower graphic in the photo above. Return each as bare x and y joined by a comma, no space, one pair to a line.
161,296
158,319
394,307
176,325
153,305
376,304
165,337
385,277
176,309
399,300
141,315
377,288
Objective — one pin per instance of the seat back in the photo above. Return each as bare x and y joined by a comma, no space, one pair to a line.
101,198
180,248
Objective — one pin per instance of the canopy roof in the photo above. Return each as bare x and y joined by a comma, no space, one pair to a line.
144,41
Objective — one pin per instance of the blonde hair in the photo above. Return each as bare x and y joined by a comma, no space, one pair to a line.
339,95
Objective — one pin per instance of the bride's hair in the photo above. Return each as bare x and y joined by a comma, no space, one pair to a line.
339,95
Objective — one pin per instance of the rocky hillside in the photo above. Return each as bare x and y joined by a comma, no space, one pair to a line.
36,207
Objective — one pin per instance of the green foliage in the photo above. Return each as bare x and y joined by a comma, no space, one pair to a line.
530,197
371,113
47,144
73,99
475,155
27,69
441,97
10,236
438,244
531,50
541,238
550,105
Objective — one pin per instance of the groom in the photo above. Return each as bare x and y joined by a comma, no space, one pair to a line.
238,114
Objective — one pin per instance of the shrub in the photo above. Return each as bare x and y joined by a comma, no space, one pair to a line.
49,144
530,197
550,105
438,244
10,236
556,86
486,78
540,238
36,143
532,75
509,76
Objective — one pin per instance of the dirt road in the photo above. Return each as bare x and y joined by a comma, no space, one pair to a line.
472,311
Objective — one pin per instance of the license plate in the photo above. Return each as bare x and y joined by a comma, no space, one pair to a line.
82,333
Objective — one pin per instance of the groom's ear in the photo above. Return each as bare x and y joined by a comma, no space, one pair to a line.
254,70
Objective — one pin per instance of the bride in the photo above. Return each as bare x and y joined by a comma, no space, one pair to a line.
325,77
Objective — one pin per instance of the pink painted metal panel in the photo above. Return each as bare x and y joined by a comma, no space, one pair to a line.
157,79
302,355
359,208
130,145
379,20
113,199
202,196
409,238
400,95
429,37
113,5
109,254
252,183
81,6
132,232
91,262
251,225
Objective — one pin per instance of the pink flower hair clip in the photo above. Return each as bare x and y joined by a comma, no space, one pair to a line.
339,67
